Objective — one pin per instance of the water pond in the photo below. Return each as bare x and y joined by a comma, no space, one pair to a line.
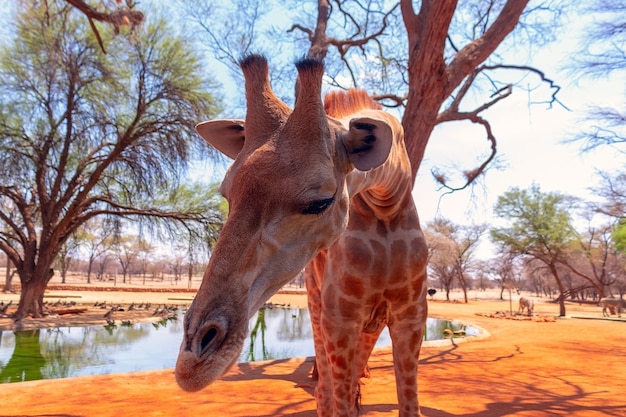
64,352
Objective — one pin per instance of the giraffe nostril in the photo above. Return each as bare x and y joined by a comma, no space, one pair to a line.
210,335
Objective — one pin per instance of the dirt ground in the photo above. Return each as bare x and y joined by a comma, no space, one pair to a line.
571,366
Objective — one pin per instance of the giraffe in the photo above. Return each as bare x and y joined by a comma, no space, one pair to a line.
326,185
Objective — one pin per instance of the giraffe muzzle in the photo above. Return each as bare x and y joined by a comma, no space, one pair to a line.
211,345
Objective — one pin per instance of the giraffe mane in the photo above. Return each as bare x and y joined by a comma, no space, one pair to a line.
340,104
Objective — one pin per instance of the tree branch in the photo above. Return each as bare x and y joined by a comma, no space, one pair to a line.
117,18
474,53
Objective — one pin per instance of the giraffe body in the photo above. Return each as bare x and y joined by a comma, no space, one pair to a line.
372,276
326,186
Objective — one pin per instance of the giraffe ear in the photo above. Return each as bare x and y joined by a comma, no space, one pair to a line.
368,142
227,136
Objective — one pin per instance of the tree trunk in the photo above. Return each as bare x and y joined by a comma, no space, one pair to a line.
559,284
9,277
89,265
431,80
463,285
31,296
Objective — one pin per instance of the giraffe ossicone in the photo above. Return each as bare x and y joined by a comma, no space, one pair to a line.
326,186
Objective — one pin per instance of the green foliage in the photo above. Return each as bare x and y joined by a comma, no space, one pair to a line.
85,134
619,237
540,223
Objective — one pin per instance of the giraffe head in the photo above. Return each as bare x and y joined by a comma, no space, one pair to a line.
288,200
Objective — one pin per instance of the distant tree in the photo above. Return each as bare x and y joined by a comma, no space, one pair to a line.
68,255
102,264
540,228
144,252
126,249
440,262
83,134
96,239
596,257
506,270
453,247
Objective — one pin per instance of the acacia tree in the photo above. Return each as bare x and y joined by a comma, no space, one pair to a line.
540,229
427,60
84,134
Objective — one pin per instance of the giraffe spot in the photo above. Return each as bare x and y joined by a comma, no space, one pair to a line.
357,252
352,285
416,337
379,259
419,250
342,342
400,256
339,362
347,308
397,295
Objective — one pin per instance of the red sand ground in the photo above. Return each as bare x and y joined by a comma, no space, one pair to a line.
569,367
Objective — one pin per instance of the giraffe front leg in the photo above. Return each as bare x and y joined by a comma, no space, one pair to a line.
406,343
344,371
323,389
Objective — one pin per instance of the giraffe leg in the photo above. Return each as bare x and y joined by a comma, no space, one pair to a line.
323,394
405,359
344,373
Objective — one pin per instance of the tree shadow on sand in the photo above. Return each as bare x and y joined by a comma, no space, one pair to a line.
561,397
539,402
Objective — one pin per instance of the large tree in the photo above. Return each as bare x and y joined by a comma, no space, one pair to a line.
540,228
431,59
84,134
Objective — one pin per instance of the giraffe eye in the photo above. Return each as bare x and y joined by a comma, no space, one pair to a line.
318,206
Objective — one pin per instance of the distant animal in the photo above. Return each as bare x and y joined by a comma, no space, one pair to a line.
432,292
5,307
526,304
610,305
109,316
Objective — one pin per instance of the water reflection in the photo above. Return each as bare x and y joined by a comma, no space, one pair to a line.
289,335
74,351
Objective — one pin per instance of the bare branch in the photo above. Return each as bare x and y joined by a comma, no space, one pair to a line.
396,100
117,18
